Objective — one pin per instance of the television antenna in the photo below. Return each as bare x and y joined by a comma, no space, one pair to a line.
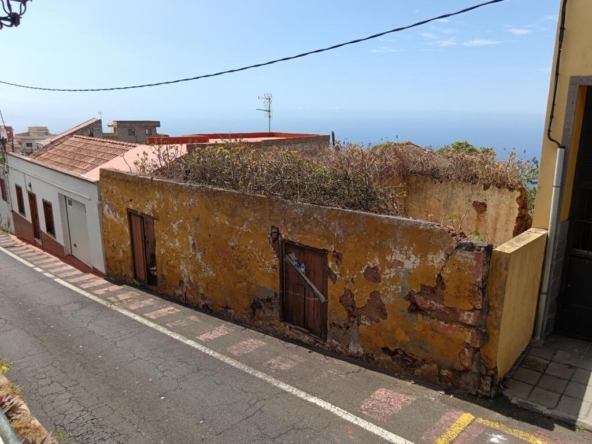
267,99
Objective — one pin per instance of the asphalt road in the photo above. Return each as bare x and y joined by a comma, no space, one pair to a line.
145,370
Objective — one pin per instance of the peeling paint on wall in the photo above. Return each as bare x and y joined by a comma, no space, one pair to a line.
404,295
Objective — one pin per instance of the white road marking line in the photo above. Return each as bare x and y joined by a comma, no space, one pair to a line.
49,275
337,411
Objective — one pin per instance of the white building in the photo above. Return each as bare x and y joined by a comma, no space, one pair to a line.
5,210
55,205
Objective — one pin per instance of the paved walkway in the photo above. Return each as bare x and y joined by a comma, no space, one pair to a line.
555,379
113,364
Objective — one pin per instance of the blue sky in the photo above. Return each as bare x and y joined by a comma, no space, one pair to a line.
482,75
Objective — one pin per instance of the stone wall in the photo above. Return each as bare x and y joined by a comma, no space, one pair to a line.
404,295
493,214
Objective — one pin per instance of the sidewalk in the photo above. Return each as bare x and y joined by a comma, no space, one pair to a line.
418,413
555,379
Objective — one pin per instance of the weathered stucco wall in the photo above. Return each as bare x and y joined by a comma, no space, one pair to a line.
513,289
493,214
402,294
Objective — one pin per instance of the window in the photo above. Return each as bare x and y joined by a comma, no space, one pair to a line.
19,200
148,131
131,132
3,190
29,145
48,213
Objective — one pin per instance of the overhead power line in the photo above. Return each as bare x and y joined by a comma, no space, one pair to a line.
260,65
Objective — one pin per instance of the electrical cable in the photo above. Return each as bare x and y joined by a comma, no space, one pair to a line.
557,65
259,65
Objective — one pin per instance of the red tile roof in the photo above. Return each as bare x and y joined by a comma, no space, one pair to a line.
79,154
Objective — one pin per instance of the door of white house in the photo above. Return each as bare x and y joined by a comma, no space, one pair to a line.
78,228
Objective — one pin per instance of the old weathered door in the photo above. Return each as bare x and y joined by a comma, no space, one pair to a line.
34,216
575,317
301,304
138,238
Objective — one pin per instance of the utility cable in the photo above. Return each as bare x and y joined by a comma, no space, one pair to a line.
259,65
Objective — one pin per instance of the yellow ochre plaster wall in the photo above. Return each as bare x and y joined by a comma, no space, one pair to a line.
213,252
492,214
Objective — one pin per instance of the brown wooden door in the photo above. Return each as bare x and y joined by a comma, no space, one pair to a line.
300,305
139,248
34,215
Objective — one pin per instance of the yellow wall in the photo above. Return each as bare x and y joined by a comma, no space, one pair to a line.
576,60
493,214
213,251
513,290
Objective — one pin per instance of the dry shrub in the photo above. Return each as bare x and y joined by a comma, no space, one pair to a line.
347,176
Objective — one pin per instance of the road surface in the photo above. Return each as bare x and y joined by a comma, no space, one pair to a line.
100,363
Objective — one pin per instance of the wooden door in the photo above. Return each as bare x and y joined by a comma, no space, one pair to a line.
138,239
301,306
34,215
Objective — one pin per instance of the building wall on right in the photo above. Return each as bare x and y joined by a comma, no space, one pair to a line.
576,60
571,81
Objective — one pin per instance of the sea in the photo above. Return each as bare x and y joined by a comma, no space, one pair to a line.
504,132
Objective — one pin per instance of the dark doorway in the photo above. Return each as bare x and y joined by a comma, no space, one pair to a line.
304,288
576,309
34,216
143,248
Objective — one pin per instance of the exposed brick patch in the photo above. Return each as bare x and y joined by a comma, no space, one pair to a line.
524,219
373,312
372,274
331,275
338,257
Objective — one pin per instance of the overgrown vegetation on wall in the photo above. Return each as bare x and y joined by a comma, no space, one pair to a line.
346,176
528,169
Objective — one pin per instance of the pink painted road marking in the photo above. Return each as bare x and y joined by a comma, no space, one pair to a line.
124,296
46,262
178,323
469,435
285,362
86,277
141,304
70,273
106,289
223,330
242,348
442,426
162,312
94,283
384,403
56,268
194,319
